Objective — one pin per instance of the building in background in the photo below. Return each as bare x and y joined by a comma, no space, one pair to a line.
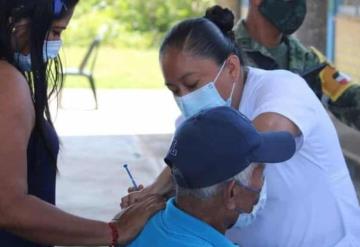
347,38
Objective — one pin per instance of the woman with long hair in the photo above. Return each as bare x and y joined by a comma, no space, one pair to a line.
30,73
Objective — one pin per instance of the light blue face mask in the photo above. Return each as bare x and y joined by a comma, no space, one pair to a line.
203,98
246,219
51,50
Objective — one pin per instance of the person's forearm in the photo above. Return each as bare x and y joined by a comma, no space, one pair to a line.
43,223
163,184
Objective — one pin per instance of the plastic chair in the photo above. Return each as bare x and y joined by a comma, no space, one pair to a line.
87,65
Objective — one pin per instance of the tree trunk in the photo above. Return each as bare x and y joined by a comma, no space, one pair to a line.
314,30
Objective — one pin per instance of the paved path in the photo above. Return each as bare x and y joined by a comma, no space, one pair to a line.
95,145
131,126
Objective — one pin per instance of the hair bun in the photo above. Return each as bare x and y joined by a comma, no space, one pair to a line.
222,17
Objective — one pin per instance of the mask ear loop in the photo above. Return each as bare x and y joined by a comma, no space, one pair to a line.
45,45
220,71
233,86
232,92
17,50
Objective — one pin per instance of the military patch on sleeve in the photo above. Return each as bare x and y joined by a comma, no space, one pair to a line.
333,82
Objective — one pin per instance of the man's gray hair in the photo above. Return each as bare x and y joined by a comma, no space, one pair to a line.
205,193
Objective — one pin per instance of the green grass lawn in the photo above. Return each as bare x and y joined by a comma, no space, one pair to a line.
117,68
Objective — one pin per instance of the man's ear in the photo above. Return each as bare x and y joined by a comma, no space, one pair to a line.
230,194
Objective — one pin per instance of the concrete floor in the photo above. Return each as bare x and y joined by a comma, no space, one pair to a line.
95,145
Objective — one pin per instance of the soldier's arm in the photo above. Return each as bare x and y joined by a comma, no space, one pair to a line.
333,82
339,93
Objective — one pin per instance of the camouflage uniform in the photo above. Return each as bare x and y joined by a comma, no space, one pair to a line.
345,104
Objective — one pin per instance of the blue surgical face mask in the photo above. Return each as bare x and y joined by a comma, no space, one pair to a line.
203,98
246,219
51,50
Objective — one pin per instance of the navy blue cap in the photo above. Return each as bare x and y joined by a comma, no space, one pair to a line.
219,143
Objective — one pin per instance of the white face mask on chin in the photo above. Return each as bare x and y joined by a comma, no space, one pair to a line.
246,219
51,50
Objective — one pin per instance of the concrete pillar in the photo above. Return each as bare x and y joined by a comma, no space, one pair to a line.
313,31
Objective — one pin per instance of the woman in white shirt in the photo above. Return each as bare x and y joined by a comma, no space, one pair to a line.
311,200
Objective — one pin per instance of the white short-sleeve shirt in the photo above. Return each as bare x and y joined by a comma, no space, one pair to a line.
311,199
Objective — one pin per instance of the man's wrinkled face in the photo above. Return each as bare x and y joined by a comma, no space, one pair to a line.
242,198
249,194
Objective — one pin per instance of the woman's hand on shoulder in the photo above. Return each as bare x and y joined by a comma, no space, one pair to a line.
136,195
132,219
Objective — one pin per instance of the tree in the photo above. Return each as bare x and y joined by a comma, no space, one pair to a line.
131,22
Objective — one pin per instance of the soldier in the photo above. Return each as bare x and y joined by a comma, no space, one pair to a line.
265,37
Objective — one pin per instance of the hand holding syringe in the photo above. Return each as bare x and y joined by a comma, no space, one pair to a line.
130,198
131,177
135,186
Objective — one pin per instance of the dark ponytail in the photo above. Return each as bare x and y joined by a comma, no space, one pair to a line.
211,36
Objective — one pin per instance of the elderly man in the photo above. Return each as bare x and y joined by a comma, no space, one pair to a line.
215,161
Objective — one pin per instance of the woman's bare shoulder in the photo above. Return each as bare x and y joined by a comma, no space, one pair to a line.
9,75
15,93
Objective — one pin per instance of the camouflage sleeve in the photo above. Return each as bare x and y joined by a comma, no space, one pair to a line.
311,74
347,107
340,94
303,62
